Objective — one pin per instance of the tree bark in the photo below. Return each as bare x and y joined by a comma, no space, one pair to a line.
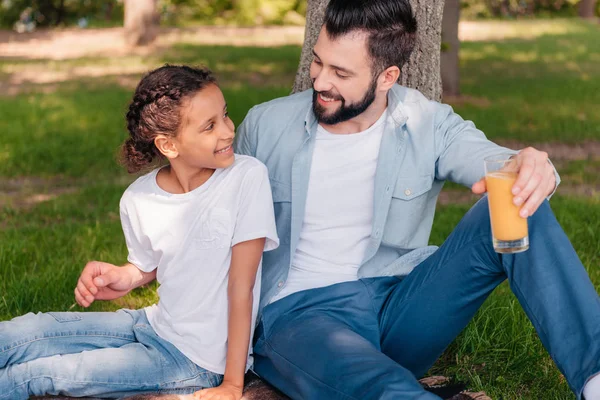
421,72
450,48
587,8
141,22
315,13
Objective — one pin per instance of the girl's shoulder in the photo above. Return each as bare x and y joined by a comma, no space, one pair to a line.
143,184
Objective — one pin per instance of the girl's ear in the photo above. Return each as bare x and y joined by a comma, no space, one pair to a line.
165,145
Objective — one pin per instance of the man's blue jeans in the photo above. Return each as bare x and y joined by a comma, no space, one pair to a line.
93,354
372,338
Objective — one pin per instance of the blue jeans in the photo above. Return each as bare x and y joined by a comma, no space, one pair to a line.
93,354
372,338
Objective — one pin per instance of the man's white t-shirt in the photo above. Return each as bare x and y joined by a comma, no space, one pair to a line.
189,238
338,216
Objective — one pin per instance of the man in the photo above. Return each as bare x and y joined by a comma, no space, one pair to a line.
356,305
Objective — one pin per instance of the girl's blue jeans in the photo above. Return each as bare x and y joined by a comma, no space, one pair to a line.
92,354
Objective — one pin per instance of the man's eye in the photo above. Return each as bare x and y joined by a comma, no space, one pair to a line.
340,75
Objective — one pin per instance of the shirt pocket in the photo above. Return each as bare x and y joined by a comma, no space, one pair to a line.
407,217
282,205
213,230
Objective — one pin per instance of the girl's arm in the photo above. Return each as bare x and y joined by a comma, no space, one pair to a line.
245,259
104,281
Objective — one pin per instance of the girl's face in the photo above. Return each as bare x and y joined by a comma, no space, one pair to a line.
205,139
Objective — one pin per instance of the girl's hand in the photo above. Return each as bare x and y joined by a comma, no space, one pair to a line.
102,281
226,391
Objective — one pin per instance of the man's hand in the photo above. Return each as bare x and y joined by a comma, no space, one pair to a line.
226,391
535,182
102,281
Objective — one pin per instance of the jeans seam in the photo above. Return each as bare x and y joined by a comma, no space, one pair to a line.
307,374
68,336
370,293
66,380
207,374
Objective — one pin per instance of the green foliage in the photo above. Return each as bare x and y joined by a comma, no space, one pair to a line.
472,9
56,12
240,12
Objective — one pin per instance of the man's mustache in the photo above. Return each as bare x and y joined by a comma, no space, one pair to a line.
330,95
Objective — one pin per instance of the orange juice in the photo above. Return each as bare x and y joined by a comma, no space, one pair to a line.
506,223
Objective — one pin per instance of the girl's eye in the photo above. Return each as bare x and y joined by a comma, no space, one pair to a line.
209,127
318,62
226,115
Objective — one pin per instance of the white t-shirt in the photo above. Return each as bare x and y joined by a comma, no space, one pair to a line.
189,237
339,209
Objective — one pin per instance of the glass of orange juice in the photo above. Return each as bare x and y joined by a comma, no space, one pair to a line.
509,229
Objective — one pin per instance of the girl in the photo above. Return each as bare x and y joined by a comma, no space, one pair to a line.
199,226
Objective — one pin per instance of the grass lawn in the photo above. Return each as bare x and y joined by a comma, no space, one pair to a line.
60,184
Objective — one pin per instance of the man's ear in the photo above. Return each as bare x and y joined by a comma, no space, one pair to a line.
166,146
389,77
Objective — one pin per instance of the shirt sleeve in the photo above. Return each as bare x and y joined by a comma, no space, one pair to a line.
256,218
461,148
243,136
138,245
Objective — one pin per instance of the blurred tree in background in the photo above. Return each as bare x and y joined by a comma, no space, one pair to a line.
97,13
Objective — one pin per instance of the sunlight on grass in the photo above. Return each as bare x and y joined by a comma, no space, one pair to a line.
522,29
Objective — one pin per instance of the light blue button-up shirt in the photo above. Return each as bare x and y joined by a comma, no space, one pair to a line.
424,144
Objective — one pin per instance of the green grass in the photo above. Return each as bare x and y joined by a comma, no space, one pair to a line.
540,89
545,89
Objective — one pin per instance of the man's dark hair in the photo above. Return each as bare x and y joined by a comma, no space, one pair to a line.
390,25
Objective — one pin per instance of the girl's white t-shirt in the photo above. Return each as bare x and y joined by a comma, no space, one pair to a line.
189,238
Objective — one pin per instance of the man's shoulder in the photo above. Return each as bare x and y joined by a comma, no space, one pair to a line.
411,97
412,102
286,107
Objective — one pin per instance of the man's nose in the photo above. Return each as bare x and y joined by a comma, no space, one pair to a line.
321,83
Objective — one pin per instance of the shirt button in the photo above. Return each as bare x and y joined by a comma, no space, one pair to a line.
407,192
377,233
387,189
280,284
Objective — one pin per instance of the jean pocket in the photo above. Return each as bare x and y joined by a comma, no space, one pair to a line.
66,316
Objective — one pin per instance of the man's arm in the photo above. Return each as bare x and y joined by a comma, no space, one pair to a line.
461,148
245,137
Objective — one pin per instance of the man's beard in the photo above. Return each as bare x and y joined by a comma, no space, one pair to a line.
344,113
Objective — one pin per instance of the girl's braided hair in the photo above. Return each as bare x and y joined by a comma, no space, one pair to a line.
156,109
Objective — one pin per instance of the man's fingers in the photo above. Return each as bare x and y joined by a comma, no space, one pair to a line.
532,185
479,187
526,171
532,203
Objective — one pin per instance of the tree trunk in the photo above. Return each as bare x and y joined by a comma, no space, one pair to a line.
450,47
60,12
315,13
141,22
421,72
587,8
